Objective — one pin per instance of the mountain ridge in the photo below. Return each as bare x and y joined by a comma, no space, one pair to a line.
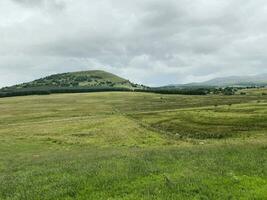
238,80
228,81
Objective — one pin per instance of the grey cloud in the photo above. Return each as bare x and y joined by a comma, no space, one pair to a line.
54,4
30,2
149,41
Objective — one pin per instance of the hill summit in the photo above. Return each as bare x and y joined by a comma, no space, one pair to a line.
81,79
72,82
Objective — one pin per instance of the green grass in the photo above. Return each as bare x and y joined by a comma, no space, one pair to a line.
133,146
210,122
254,91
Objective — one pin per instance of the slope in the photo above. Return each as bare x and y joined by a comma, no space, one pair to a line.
82,81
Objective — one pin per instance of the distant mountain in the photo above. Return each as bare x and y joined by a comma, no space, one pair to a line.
257,80
81,81
231,81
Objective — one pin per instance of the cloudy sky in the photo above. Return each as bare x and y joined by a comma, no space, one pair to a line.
153,42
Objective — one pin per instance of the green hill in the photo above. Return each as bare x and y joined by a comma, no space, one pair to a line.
82,81
85,79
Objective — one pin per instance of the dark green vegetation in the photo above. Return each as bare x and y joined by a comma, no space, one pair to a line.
195,90
82,79
101,81
123,145
72,82
90,81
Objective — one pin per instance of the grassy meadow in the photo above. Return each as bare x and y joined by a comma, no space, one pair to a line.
126,145
254,91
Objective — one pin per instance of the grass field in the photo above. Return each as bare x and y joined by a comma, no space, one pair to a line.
254,91
124,145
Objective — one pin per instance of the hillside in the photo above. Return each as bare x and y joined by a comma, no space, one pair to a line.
82,81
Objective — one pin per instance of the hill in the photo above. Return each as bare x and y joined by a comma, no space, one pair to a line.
231,81
82,81
240,81
94,78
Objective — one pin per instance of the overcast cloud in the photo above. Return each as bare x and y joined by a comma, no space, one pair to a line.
153,42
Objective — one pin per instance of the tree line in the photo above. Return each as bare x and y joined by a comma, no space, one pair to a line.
181,91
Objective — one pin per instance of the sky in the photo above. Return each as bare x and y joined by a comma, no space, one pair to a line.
153,42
